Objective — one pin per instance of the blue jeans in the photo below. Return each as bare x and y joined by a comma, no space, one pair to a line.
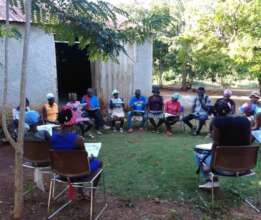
198,157
131,114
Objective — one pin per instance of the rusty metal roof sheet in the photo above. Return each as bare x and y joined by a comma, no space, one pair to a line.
16,15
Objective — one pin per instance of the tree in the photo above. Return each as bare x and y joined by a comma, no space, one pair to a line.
156,22
93,24
18,201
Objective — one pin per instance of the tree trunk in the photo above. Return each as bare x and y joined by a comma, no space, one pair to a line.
18,206
259,84
6,74
184,78
161,68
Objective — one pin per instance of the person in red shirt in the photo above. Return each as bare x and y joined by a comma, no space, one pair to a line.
172,112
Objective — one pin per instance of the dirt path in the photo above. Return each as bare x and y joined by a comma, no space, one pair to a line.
119,209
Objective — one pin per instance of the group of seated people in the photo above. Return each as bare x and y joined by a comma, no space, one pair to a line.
226,128
152,110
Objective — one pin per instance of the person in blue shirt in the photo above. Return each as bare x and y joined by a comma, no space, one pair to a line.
137,105
92,109
66,139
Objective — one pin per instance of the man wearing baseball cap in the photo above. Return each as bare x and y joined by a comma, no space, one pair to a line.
32,118
50,110
116,106
250,108
200,108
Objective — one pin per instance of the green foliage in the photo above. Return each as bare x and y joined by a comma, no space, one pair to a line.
12,33
224,41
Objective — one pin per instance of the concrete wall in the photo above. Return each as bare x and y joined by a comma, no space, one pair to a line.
41,76
133,71
143,67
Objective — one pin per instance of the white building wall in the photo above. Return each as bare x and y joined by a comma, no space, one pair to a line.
143,68
41,76
133,71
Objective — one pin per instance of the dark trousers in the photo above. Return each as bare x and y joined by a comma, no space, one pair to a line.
98,120
156,125
114,120
169,121
201,120
85,127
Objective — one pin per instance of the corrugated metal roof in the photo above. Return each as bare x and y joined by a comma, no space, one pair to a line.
16,15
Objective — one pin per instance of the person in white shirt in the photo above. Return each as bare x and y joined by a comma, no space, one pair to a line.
200,108
116,106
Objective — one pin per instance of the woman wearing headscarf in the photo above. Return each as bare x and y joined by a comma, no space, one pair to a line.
172,112
227,99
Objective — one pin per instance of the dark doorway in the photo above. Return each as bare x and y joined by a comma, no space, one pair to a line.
73,70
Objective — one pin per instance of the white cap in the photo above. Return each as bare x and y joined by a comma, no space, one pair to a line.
115,91
50,96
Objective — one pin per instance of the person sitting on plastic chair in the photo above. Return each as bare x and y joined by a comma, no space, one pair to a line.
200,109
137,105
227,130
116,106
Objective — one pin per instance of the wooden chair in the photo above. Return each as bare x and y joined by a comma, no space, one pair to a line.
36,156
72,167
36,153
234,161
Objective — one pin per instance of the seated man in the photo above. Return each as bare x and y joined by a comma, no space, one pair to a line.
249,109
92,109
77,119
137,105
15,114
200,107
227,98
32,118
155,109
66,139
116,107
172,112
50,110
227,131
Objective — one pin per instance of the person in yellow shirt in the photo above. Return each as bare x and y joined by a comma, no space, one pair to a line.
50,110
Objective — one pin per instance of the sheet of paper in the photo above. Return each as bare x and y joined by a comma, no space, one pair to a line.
257,135
47,127
93,149
204,146
168,115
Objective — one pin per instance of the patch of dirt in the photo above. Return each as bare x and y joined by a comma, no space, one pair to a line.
119,209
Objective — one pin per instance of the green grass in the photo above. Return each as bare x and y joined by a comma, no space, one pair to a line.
146,165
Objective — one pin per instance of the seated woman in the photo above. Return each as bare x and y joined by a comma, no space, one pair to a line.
116,107
227,130
77,115
172,112
32,118
155,109
50,110
66,139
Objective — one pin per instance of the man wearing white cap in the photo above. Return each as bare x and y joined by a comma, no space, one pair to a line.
116,107
227,99
249,109
50,110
